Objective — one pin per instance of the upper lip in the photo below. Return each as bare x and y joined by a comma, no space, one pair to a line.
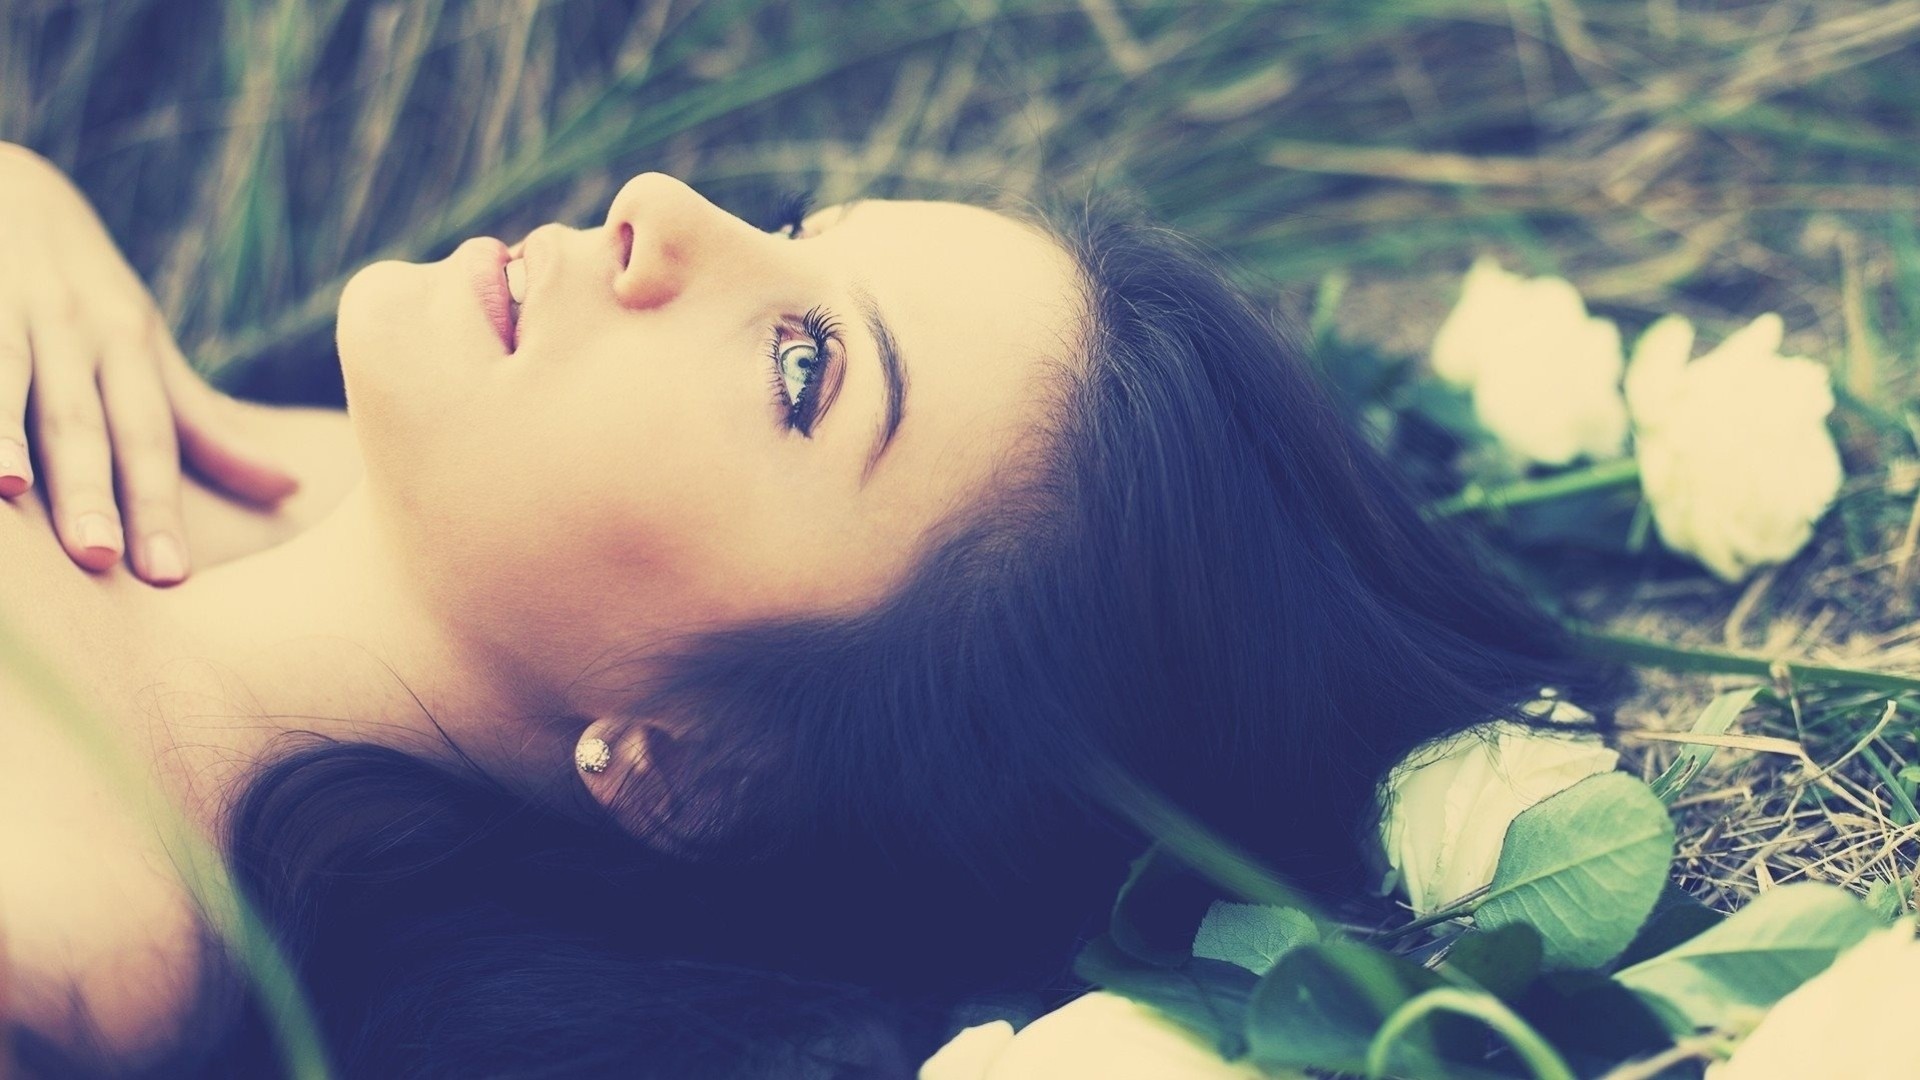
518,309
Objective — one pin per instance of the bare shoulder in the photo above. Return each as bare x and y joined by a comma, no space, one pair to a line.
91,901
102,934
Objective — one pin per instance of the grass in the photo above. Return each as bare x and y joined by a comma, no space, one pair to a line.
1716,160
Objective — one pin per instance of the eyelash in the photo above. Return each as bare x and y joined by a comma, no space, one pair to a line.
790,210
801,410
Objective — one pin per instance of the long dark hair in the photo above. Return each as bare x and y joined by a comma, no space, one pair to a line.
850,826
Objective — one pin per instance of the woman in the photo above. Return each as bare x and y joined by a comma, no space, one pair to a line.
716,670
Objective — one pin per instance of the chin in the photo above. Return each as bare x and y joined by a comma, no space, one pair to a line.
417,394
377,332
366,322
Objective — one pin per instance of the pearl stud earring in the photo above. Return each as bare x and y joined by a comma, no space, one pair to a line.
592,755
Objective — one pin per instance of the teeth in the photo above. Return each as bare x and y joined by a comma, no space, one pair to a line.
517,280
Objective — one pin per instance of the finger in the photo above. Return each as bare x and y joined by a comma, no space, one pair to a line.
210,439
146,459
75,461
16,374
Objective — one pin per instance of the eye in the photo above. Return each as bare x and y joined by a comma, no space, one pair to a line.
800,371
798,364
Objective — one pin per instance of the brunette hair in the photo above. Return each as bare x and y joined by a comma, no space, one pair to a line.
853,827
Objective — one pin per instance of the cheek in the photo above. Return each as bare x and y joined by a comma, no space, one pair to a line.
616,467
802,550
639,441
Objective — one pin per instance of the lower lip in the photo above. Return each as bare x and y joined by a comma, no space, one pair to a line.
487,262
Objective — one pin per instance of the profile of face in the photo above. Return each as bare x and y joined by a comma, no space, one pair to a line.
690,422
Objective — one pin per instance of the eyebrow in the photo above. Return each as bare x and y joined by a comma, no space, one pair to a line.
891,368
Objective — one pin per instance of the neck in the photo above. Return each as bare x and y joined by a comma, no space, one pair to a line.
321,634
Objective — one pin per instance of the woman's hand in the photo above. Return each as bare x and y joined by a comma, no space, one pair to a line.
112,398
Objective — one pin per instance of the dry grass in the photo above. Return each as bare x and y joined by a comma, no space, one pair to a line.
1718,160
1811,788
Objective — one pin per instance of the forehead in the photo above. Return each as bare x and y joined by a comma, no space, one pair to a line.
983,306
934,243
990,227
976,295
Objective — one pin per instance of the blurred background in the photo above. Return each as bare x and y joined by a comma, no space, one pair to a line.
1349,157
1718,159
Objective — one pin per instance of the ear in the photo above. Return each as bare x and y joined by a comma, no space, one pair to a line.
607,756
675,793
644,783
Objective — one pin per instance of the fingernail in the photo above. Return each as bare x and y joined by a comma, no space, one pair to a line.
15,476
97,532
164,559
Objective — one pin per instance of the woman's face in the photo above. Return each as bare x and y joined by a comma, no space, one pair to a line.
631,463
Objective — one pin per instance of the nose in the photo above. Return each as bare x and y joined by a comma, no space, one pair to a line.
665,232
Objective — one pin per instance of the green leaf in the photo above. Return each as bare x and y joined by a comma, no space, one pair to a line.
1359,375
1598,518
1716,718
1322,1003
1209,996
1252,935
1904,810
1447,407
1542,1061
1159,908
1594,1021
1326,301
1676,917
1584,868
1728,976
1502,962
1884,899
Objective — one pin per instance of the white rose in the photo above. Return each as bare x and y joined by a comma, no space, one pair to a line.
1854,1019
1098,1035
1545,375
1735,456
1450,802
